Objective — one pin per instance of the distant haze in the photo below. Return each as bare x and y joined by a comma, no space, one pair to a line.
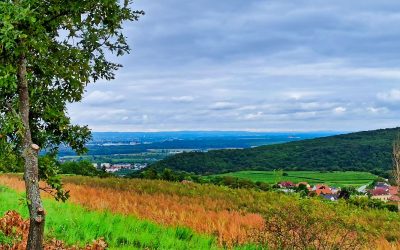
254,65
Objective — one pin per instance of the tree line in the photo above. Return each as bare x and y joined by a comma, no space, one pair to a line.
368,151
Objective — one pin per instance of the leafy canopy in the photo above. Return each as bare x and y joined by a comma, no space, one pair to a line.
65,44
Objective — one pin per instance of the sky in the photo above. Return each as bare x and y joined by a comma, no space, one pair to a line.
298,65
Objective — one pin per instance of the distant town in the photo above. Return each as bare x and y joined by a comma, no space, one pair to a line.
114,168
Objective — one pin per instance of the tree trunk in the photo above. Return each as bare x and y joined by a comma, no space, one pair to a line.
30,155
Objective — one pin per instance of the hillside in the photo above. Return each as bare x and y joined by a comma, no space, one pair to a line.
154,214
362,151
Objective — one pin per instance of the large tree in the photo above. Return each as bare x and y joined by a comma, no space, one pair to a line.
50,50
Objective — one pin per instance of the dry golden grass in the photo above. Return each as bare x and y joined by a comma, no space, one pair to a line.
383,244
202,215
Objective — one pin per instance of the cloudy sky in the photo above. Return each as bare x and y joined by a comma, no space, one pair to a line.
262,65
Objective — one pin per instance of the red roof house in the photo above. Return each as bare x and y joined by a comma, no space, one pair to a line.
379,191
393,190
286,184
322,189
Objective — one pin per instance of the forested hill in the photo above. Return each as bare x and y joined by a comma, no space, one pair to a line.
363,151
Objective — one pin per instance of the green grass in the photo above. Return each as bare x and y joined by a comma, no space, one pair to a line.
74,224
336,178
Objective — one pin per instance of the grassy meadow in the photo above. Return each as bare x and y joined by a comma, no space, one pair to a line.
74,224
152,214
336,178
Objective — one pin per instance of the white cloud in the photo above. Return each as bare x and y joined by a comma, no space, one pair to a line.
98,97
377,110
297,95
253,116
183,99
223,105
339,110
390,96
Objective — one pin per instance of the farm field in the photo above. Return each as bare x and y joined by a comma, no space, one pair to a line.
135,214
337,178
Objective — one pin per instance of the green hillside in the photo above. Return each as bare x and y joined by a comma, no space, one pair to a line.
368,151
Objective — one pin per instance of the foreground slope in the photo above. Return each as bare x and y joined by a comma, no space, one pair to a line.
150,214
75,225
363,151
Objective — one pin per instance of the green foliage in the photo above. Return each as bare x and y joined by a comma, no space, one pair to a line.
5,241
179,176
64,44
48,171
302,190
364,151
365,202
167,175
347,192
79,168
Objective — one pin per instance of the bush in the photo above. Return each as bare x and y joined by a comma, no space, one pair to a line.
84,168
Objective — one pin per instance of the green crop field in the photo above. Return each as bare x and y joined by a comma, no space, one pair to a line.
336,178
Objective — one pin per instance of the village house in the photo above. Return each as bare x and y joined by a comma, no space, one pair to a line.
331,197
382,185
335,190
322,189
385,192
286,184
394,192
380,193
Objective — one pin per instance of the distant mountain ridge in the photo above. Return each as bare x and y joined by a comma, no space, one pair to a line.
113,143
361,151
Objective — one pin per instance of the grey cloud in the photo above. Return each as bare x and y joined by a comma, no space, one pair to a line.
390,96
223,106
253,65
183,99
98,97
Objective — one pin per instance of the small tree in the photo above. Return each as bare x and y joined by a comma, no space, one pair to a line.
396,165
50,50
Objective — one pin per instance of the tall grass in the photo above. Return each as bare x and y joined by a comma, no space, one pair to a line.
237,216
203,214
74,224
